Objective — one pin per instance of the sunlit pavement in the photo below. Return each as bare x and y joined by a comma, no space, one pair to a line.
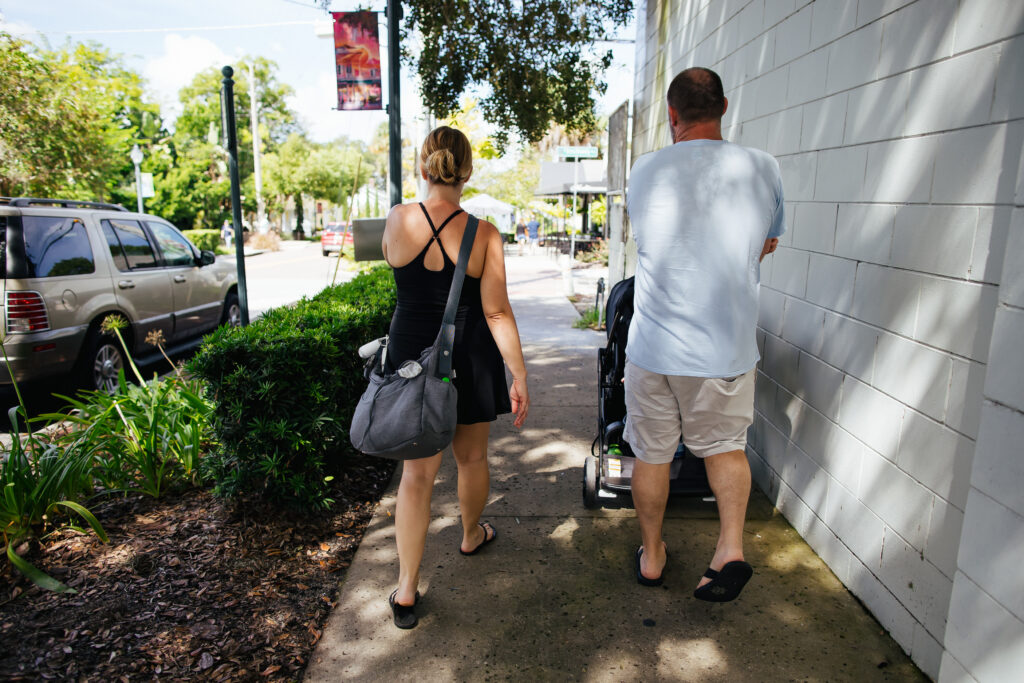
554,598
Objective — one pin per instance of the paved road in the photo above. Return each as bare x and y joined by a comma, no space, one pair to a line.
277,278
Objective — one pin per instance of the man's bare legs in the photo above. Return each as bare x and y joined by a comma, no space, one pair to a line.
412,517
650,495
470,450
729,476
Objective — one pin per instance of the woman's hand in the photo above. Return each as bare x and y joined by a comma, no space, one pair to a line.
520,397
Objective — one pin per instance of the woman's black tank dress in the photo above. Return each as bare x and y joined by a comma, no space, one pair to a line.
422,295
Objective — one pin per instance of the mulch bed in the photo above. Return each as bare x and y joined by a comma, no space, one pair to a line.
189,587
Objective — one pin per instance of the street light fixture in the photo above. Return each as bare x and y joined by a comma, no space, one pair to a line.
136,156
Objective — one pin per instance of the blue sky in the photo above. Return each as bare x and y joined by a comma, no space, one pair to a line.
168,42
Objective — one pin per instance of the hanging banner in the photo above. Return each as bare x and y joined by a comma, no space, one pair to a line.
357,60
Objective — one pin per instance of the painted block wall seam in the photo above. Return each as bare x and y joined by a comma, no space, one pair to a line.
915,636
929,453
872,81
811,328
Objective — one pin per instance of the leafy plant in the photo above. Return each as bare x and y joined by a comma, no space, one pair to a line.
284,389
589,320
531,56
596,253
38,478
203,239
149,435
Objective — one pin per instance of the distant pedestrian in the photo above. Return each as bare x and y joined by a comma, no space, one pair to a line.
421,256
521,235
533,228
704,212
226,233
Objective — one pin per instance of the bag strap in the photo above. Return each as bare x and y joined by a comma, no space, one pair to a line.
444,364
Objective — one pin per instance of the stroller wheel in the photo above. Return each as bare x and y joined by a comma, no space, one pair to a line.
590,484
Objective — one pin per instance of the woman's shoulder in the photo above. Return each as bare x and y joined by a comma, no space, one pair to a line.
485,229
401,211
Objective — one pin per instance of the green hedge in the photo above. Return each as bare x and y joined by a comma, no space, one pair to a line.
203,239
285,386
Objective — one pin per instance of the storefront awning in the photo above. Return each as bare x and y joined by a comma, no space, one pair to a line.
560,177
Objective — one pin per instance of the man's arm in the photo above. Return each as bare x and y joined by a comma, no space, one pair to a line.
770,245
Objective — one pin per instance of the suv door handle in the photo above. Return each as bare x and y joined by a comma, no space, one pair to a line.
179,278
126,284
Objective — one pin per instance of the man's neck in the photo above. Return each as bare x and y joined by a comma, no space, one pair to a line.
700,130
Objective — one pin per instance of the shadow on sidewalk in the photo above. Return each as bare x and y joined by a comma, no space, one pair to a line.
555,597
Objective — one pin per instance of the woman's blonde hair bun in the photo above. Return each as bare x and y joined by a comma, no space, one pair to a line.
447,156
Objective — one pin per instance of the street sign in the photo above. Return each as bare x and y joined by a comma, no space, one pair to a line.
585,152
147,185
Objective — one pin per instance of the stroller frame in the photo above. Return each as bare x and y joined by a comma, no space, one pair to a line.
608,472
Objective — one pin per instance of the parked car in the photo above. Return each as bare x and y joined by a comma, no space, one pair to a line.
332,236
69,264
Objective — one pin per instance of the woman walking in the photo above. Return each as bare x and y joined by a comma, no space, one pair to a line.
419,243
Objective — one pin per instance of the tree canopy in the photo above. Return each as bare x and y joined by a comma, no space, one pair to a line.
531,56
68,118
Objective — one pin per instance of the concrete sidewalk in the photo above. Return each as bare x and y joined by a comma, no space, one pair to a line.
555,598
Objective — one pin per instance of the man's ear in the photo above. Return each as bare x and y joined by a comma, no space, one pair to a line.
725,105
673,116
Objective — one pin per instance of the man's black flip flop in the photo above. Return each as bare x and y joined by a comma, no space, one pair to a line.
726,583
494,534
640,578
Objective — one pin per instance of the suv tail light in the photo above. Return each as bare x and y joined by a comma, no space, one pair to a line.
26,312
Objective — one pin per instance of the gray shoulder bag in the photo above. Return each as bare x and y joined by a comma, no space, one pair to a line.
412,413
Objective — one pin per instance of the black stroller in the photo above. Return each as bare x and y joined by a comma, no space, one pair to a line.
609,471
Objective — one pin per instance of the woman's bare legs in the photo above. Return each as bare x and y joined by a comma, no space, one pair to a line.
412,517
470,450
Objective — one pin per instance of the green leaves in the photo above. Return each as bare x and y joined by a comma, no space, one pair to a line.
285,387
36,575
68,118
36,479
149,436
532,56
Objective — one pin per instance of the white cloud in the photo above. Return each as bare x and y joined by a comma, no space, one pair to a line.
314,105
183,57
19,29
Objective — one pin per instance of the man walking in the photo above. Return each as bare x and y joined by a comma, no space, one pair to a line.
704,212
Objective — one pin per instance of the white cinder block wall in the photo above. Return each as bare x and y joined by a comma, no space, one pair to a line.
890,402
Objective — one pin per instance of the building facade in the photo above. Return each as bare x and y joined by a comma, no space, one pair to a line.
889,424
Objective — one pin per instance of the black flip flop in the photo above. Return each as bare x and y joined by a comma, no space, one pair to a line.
726,583
494,534
640,578
405,615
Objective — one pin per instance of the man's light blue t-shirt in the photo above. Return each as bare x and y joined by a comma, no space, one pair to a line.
700,212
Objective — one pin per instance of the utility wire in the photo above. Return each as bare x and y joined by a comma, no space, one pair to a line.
188,28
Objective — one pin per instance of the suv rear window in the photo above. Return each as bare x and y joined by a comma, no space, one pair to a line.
56,246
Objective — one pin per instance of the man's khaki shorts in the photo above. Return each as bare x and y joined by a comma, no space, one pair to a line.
711,415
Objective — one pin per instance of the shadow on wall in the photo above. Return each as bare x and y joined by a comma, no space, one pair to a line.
869,396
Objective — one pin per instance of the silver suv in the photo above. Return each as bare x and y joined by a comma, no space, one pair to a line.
69,264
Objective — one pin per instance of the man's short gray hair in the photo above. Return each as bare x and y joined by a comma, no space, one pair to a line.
696,94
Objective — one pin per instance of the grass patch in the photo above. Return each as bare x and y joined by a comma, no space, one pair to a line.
589,320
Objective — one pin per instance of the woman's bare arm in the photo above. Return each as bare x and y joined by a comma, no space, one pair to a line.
501,321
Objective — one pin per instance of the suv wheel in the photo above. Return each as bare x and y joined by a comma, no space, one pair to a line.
100,365
232,311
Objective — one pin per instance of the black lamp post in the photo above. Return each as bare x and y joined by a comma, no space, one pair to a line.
227,109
